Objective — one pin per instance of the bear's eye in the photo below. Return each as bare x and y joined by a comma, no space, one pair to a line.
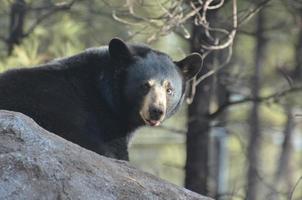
170,91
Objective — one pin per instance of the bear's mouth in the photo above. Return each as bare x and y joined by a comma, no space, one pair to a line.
153,122
150,122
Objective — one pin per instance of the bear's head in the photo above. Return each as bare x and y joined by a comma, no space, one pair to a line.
153,85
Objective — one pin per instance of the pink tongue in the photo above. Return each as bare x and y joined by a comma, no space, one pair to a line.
154,123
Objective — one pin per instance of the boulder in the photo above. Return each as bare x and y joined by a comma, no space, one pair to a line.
36,164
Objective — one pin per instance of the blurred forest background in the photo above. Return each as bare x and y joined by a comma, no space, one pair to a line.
241,136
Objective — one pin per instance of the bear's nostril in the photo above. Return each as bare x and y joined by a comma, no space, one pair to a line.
156,113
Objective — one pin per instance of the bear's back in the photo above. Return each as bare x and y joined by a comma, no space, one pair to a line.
46,95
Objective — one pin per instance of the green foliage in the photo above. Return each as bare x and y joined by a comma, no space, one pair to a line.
26,54
64,40
61,39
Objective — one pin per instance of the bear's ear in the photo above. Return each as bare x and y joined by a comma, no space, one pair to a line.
118,49
190,65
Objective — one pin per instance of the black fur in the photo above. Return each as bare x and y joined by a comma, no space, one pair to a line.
92,98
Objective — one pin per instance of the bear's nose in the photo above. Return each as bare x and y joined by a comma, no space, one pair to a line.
156,113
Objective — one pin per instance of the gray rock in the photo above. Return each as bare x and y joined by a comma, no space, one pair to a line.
36,164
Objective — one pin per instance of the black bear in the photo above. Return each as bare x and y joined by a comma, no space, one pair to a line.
99,97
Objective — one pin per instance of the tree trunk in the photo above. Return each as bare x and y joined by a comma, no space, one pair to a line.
254,146
198,130
17,16
197,170
221,137
286,152
283,171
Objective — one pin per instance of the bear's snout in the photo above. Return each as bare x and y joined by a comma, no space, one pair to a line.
156,113
154,105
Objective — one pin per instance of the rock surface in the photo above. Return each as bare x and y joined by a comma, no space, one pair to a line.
36,164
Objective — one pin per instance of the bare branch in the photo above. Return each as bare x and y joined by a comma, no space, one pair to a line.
294,188
236,25
218,5
253,12
274,95
214,71
230,36
52,10
286,76
115,17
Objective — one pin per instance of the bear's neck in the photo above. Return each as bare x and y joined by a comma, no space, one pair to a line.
93,69
97,75
111,87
